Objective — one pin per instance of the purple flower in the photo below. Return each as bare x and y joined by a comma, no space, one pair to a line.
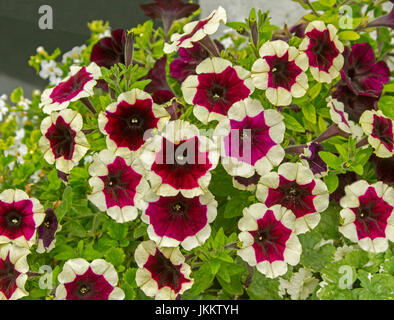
189,59
311,159
46,232
384,169
344,180
159,88
168,11
361,73
298,30
110,51
383,21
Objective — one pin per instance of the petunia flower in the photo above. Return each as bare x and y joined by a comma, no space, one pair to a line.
178,220
163,273
196,30
380,132
81,280
63,142
361,73
216,87
368,215
47,231
280,71
168,11
295,188
324,51
79,84
110,50
179,160
268,240
19,218
341,118
126,122
189,59
246,184
250,139
13,269
117,188
158,87
344,179
311,159
354,105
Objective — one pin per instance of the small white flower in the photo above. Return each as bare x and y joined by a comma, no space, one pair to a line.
301,284
75,54
50,70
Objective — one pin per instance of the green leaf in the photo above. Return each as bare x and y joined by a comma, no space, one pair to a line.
65,205
16,95
115,256
117,231
203,279
292,124
331,182
386,104
129,277
309,112
332,160
235,206
348,35
140,231
314,91
262,288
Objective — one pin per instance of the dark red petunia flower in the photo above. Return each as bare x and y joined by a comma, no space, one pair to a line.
162,272
268,239
126,122
8,276
367,214
111,50
361,73
168,11
180,220
384,169
311,158
216,87
81,280
324,51
295,188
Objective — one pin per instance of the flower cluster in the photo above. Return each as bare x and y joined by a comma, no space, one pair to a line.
264,154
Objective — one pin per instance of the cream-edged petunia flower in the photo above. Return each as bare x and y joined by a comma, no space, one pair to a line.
20,216
217,85
324,51
127,123
78,84
163,273
196,30
117,188
179,160
13,271
368,215
295,188
250,139
178,220
280,71
268,239
63,141
81,280
380,132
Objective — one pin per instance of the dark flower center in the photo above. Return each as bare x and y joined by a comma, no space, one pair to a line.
217,92
179,208
13,220
84,289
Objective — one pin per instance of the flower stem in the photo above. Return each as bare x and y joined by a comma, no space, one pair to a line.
210,46
88,105
332,131
307,2
363,142
295,149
